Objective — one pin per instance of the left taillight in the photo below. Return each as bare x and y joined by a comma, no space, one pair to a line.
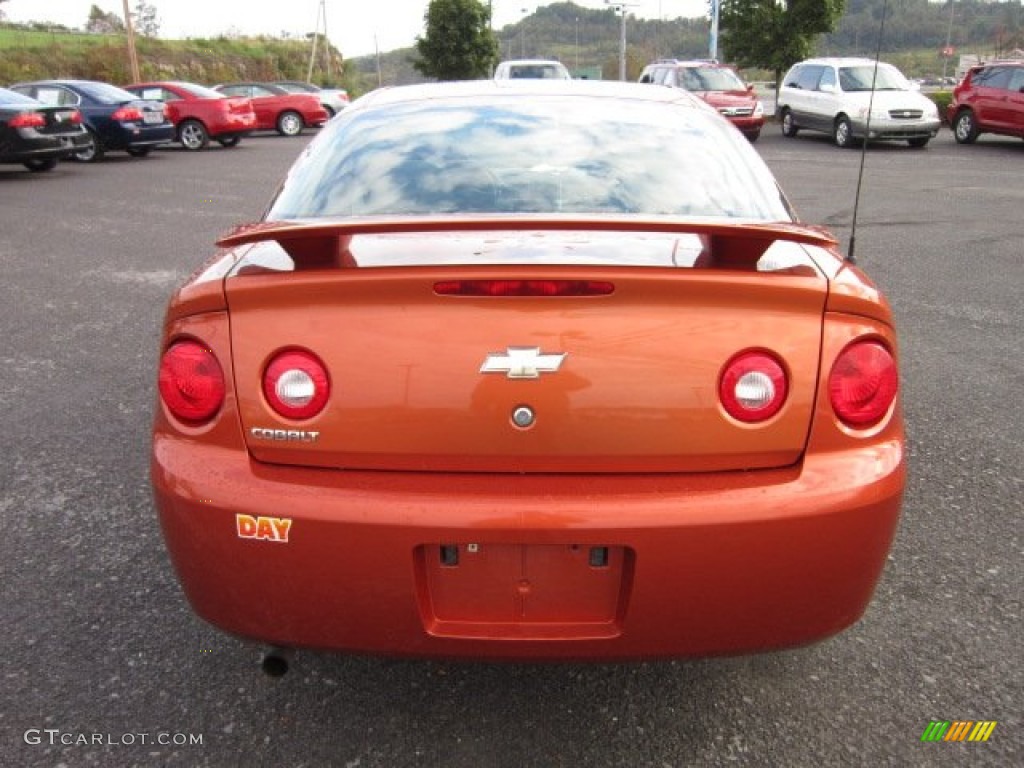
27,120
753,386
191,382
76,118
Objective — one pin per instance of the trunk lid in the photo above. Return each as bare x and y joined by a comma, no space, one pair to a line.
429,382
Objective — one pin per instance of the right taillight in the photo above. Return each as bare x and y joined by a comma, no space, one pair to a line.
191,381
863,383
127,115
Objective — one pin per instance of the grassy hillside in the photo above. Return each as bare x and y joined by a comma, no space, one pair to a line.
30,54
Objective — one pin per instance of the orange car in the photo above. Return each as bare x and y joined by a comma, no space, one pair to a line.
521,370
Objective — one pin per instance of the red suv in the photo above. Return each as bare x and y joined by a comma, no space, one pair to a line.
990,99
716,84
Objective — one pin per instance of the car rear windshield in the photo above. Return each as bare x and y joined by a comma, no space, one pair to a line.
545,154
201,91
107,94
20,99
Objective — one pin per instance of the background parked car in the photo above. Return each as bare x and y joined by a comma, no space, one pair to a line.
114,118
200,113
990,99
277,109
332,99
718,85
35,135
832,95
531,69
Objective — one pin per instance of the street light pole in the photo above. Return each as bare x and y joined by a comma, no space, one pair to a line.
622,46
522,34
621,8
577,73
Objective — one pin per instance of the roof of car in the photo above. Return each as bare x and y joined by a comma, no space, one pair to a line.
483,88
687,63
531,62
840,60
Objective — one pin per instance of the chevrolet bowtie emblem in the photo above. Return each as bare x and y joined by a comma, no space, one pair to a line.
522,363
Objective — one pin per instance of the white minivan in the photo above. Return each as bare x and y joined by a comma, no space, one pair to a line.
532,69
834,95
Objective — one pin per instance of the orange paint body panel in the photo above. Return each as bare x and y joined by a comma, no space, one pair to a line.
635,519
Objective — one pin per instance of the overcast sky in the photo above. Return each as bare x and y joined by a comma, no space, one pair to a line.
351,25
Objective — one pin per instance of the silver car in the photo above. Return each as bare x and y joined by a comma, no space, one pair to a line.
332,99
855,99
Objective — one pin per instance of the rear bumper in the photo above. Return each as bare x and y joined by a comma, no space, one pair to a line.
33,145
696,565
133,135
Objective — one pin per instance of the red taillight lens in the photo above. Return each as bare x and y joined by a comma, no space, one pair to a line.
753,386
863,383
191,381
523,288
27,120
76,118
127,115
296,384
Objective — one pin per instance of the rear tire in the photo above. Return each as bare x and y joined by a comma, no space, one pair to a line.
789,128
842,132
965,128
753,136
229,141
38,166
91,152
289,123
192,135
139,151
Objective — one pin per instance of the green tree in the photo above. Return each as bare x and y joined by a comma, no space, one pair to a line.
458,43
144,19
103,23
774,34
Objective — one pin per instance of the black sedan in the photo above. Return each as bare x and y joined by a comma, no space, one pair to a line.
35,135
114,118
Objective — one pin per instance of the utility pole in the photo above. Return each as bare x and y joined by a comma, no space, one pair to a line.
133,57
321,15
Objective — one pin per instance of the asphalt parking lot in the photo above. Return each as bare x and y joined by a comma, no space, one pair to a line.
99,645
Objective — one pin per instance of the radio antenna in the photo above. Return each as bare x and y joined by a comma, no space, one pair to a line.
851,253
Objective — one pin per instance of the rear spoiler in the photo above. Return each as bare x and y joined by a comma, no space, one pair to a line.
319,241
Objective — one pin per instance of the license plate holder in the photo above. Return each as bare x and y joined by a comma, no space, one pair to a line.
537,591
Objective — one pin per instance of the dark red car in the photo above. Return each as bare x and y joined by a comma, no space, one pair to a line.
990,99
200,113
277,109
